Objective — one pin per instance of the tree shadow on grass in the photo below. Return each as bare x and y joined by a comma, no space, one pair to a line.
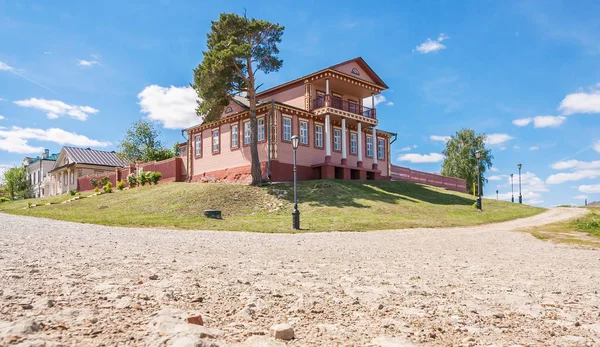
336,193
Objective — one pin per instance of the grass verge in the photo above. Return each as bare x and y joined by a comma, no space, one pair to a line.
326,205
580,231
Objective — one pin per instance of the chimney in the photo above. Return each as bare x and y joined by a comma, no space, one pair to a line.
46,153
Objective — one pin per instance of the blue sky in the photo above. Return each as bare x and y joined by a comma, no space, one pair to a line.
526,73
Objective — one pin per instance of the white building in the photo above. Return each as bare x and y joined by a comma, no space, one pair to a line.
37,171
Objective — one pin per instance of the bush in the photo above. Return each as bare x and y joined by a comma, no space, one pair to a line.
143,178
108,188
96,189
103,181
120,185
132,179
155,177
94,182
73,192
3,199
475,205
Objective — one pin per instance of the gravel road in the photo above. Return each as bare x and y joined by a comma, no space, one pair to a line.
69,284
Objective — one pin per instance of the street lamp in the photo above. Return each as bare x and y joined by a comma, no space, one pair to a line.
295,212
512,188
520,195
497,197
478,157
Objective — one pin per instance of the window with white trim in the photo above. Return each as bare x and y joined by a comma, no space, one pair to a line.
318,135
287,129
337,139
380,149
353,143
247,133
235,134
369,146
304,132
215,140
261,129
198,145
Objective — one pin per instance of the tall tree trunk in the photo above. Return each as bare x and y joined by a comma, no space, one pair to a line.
255,166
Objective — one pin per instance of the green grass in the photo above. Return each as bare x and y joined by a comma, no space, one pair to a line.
325,205
583,231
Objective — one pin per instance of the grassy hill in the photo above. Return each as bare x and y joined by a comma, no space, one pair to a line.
325,205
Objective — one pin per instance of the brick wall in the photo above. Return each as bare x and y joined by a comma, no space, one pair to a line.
413,176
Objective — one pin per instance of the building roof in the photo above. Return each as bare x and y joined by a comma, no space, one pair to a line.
94,157
51,157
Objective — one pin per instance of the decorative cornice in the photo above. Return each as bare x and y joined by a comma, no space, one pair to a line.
344,77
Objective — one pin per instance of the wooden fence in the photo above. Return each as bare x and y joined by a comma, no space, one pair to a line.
413,176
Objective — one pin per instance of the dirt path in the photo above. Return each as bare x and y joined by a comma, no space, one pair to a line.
74,284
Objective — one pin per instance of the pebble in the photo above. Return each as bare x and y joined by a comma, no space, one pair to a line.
282,331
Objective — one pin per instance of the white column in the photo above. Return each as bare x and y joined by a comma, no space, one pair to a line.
327,102
61,183
327,135
343,138
359,142
68,180
374,146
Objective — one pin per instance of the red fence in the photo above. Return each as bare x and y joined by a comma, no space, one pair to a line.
412,176
171,169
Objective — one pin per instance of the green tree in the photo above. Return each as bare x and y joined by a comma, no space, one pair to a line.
237,48
460,157
141,142
16,183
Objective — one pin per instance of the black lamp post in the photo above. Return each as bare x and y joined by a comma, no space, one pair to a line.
497,197
512,188
520,195
295,212
478,157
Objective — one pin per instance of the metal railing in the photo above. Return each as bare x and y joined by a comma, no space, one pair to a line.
344,105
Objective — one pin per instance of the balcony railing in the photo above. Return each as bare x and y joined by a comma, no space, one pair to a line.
338,103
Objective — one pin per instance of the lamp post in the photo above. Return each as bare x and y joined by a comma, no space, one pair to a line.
520,195
497,197
512,188
295,212
478,157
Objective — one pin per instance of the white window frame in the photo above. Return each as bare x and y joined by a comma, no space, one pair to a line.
303,132
198,145
215,140
287,129
353,143
380,148
235,135
260,124
369,146
319,135
247,133
337,139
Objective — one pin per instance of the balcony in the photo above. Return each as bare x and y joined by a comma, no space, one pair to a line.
338,103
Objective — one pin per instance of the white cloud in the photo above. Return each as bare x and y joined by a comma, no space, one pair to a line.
389,103
421,158
55,108
517,147
496,139
572,176
580,197
3,168
581,102
367,102
1,117
439,138
494,169
540,121
597,146
174,107
87,63
496,177
430,46
576,164
5,67
405,149
531,188
16,139
590,189
534,148
522,122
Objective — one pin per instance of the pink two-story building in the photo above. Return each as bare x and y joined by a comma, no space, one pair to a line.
338,134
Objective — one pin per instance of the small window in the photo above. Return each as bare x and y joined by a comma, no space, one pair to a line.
355,71
234,136
228,109
247,133
261,129
198,145
369,146
380,148
287,129
215,140
319,135
353,143
337,139
304,133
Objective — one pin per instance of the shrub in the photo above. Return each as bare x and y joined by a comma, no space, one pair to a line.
28,204
96,189
475,204
108,188
103,181
73,192
132,179
155,177
143,178
3,199
120,185
94,182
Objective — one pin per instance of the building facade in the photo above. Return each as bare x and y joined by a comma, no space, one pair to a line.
338,133
73,162
37,172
